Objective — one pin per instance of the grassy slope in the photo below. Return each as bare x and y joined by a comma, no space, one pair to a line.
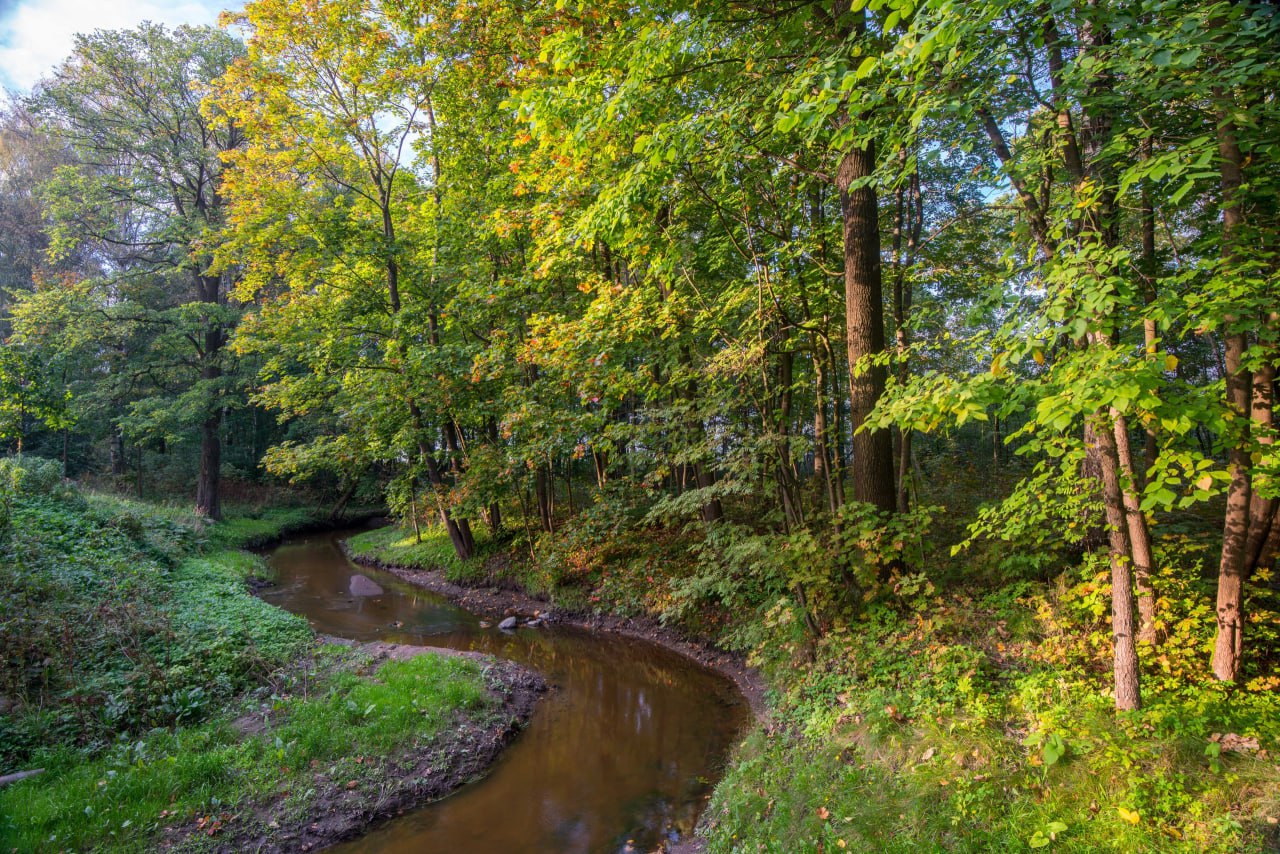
133,643
965,718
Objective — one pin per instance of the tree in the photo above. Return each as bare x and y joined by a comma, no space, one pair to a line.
144,192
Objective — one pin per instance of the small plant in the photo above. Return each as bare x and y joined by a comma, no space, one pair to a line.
1046,835
1052,746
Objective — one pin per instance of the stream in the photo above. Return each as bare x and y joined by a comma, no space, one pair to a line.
620,755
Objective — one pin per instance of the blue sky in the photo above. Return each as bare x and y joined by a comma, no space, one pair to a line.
35,35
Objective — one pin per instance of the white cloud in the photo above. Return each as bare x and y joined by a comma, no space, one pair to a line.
35,35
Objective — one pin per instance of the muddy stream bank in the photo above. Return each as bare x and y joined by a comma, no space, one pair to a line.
619,756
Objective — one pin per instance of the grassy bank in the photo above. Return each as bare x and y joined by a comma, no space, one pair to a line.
164,701
429,548
252,771
965,710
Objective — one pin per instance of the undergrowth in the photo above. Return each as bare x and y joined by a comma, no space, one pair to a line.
118,617
133,654
963,705
201,778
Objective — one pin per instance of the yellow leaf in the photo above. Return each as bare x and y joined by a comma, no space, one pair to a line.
1171,362
1129,815
1038,355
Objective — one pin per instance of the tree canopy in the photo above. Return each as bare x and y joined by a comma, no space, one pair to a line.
746,273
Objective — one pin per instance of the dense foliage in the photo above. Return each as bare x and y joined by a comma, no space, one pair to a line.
112,621
787,322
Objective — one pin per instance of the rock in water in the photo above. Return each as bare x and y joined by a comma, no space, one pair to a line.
364,586
508,624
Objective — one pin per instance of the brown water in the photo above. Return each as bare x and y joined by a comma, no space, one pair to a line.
619,756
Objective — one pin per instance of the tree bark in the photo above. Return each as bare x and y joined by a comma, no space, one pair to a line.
1124,640
1228,645
1262,511
463,545
1139,534
872,463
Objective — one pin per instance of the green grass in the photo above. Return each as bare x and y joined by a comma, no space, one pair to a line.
125,797
256,527
132,642
400,547
956,787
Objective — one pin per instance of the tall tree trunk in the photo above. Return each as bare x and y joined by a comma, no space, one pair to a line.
872,462
544,490
1262,511
1228,646
1125,663
453,445
1139,534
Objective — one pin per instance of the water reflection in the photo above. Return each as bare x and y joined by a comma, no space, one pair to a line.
622,750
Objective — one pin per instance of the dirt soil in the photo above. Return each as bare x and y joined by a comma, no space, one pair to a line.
488,600
342,809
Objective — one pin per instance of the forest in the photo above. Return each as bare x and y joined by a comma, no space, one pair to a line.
922,354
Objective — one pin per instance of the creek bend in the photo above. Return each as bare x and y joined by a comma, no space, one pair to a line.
619,756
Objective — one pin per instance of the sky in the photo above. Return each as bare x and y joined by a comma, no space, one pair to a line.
35,35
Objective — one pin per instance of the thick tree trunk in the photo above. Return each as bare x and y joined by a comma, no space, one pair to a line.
1228,646
872,463
712,511
207,483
